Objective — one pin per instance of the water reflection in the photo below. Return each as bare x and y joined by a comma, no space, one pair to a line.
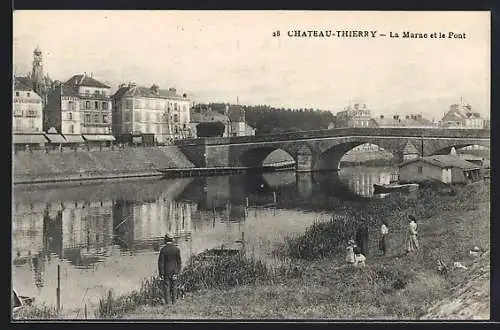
108,235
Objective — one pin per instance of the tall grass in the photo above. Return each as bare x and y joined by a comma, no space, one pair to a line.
329,238
35,312
201,272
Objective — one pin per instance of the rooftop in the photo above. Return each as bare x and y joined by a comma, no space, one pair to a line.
459,112
207,115
22,84
85,80
410,122
141,91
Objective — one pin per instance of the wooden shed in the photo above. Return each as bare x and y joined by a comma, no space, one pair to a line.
446,168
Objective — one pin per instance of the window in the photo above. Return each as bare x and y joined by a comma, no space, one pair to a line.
105,105
18,112
128,104
87,104
176,118
17,93
157,117
175,106
137,116
87,93
126,116
137,104
420,169
96,105
87,118
105,119
71,129
28,94
96,118
32,123
70,116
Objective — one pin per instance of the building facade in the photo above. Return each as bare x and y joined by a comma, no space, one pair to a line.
152,110
80,107
27,109
354,116
462,116
445,168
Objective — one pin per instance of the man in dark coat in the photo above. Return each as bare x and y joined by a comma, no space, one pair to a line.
169,266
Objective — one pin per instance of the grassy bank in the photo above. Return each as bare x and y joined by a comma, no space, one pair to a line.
393,287
314,282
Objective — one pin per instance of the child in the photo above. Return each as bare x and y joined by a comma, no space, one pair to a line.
359,258
349,258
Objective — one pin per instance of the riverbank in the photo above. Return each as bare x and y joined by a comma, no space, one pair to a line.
393,287
396,286
81,165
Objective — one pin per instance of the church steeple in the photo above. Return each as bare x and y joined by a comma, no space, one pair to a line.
37,72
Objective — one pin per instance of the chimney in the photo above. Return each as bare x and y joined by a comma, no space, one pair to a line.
155,89
184,95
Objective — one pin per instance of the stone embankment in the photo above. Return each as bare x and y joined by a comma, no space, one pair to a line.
40,167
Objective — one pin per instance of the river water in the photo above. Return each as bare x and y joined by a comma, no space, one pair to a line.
106,236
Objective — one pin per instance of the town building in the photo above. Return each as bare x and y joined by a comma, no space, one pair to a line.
27,113
150,110
80,109
237,121
233,118
201,114
462,116
410,152
410,121
445,168
354,116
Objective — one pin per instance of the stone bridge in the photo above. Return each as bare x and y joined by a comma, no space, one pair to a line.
322,149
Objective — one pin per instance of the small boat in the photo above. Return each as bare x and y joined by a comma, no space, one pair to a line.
19,302
392,187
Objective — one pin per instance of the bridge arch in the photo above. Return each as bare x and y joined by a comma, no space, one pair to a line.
441,149
255,157
330,157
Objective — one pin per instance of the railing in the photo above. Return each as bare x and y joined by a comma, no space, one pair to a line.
342,132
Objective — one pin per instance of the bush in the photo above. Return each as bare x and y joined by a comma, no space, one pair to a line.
206,271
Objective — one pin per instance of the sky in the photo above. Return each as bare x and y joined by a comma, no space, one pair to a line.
222,56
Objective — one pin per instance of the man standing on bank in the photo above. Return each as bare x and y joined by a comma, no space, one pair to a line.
169,266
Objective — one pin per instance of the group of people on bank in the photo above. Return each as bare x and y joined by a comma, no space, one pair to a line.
169,259
356,248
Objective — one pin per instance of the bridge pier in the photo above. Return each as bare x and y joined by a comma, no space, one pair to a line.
304,161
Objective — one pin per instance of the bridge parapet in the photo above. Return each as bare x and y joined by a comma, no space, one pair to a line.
344,132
